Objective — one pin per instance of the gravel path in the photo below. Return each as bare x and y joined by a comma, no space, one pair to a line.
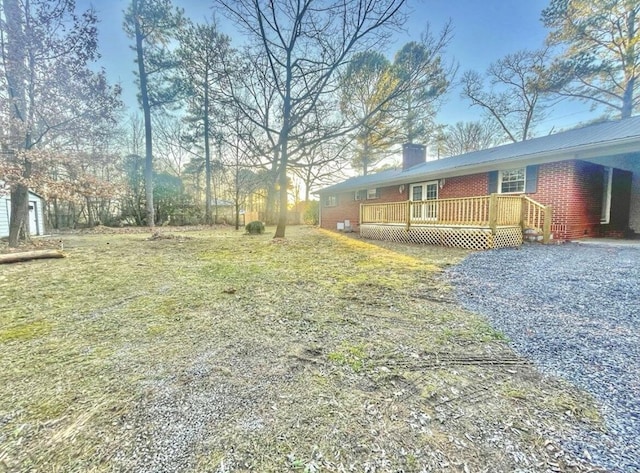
574,310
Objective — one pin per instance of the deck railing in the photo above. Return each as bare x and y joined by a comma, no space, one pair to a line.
481,211
392,212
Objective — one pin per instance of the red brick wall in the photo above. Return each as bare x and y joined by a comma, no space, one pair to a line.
349,209
574,191
465,186
585,209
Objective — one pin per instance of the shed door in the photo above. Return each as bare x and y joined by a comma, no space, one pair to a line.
33,218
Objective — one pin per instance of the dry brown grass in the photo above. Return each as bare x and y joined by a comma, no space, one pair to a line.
216,351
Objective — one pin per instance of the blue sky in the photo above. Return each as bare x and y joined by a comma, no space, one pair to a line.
484,31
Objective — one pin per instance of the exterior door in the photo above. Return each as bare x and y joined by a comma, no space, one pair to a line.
605,211
33,218
424,192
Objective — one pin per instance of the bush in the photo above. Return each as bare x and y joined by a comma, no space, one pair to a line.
255,228
312,213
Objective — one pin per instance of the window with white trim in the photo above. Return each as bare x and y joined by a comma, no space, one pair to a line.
372,194
331,201
366,194
511,181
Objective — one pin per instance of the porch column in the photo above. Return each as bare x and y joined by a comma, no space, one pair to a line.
493,212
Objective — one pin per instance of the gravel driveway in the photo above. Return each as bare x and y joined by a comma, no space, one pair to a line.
574,310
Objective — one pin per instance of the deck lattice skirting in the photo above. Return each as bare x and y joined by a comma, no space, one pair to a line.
455,237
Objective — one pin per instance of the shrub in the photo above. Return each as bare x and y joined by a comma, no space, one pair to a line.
312,213
255,228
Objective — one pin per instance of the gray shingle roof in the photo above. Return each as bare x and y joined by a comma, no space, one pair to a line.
560,146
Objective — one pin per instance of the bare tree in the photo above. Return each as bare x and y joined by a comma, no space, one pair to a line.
322,163
514,97
249,98
174,145
242,180
464,137
303,45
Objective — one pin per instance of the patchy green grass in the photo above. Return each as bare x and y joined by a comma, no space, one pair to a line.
353,356
217,351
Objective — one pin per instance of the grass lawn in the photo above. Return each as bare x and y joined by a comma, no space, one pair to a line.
214,351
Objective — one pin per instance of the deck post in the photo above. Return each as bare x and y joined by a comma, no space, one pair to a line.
546,225
408,214
361,215
523,211
493,212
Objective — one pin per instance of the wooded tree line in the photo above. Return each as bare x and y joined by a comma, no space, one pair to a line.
307,92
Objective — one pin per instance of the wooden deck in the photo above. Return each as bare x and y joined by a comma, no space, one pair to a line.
481,222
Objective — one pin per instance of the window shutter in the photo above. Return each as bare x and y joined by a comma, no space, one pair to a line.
493,182
531,183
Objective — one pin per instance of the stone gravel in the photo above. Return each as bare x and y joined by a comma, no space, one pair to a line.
574,310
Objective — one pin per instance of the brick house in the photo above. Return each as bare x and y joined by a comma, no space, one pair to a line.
587,179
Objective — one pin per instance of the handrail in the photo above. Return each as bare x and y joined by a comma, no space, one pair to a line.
536,216
533,213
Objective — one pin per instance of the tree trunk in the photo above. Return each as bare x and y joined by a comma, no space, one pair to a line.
307,189
410,118
270,210
365,157
284,151
15,71
270,204
215,199
73,215
19,222
30,255
146,110
627,99
90,221
207,156
284,201
56,214
237,181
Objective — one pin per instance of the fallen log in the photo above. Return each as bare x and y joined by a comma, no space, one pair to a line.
30,255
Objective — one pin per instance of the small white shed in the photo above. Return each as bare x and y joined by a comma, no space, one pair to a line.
36,214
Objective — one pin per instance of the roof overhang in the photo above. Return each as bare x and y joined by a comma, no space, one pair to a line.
593,150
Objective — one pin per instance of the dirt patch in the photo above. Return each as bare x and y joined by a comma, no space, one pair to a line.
328,354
